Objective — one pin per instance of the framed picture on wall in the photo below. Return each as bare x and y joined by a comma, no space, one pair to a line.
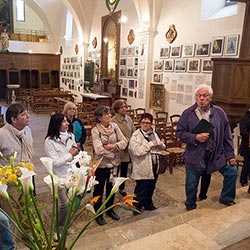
217,46
202,49
188,50
157,77
164,52
124,92
176,51
123,52
193,65
180,65
207,66
231,45
169,65
157,96
158,65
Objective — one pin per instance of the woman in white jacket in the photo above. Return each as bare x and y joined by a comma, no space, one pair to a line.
60,145
143,148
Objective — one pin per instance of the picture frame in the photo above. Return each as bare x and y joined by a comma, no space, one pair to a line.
131,84
180,65
175,51
124,91
193,65
157,77
231,45
164,52
157,97
169,65
123,52
202,49
188,50
217,46
123,72
131,93
131,51
130,72
207,66
122,61
158,65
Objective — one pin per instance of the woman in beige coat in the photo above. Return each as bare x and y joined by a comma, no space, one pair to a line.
143,148
107,140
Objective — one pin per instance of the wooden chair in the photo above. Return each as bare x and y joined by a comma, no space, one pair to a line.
177,151
174,121
138,113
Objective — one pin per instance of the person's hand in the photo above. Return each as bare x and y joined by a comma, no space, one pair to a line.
110,146
74,151
155,142
78,144
202,137
232,161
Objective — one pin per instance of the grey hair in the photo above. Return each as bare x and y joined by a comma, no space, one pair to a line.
204,86
100,111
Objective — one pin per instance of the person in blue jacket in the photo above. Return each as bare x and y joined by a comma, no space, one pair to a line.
207,151
76,126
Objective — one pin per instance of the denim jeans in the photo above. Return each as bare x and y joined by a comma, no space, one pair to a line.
229,173
6,242
245,171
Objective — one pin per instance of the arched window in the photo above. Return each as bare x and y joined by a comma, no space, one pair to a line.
20,11
213,9
69,23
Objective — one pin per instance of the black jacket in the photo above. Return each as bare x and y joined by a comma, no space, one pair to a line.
244,132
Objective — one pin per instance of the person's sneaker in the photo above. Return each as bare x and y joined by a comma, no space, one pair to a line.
55,238
100,220
227,203
113,215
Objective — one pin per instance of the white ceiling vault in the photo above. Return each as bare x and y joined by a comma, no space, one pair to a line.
52,13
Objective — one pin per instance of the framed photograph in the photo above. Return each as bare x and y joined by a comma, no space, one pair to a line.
193,65
130,72
131,84
131,93
217,46
231,45
169,65
135,73
158,65
157,97
180,65
176,51
202,49
130,62
122,72
123,52
124,92
207,66
123,61
131,51
164,52
157,77
188,50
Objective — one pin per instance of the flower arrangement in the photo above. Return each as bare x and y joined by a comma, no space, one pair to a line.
25,213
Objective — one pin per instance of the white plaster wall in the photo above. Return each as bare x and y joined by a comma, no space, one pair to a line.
185,15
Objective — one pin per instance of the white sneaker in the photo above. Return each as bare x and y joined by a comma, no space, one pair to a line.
55,237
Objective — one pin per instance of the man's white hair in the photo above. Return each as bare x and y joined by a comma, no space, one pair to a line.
204,86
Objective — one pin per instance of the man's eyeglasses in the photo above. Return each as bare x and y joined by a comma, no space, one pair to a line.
204,95
146,123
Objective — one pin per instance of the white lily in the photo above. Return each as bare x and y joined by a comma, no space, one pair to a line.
118,182
3,191
47,179
48,163
80,174
26,179
90,208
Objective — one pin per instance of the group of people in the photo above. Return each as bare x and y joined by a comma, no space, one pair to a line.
116,141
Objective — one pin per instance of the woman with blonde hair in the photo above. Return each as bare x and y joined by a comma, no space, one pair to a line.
76,126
